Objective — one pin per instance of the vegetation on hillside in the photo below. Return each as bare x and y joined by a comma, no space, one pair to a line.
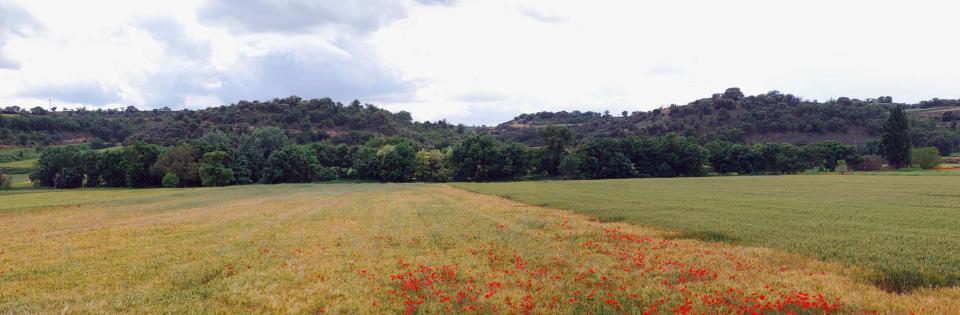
729,116
764,118
302,120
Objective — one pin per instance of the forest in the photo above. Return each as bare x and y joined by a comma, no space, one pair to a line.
269,156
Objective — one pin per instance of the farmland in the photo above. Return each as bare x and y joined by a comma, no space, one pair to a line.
903,227
389,248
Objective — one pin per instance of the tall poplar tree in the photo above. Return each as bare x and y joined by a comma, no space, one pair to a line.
895,139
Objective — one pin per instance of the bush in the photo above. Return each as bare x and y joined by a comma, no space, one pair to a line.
871,162
325,174
842,167
170,180
5,182
926,158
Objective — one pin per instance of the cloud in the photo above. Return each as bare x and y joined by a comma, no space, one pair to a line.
664,69
438,2
480,97
542,16
317,74
174,37
79,92
14,21
358,17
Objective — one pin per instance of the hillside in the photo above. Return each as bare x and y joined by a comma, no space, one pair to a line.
771,117
304,120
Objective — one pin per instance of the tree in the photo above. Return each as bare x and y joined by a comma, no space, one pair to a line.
59,167
600,158
679,156
733,93
110,167
397,161
515,160
842,167
926,158
213,169
556,138
291,164
137,161
827,153
431,166
895,138
181,161
367,163
170,180
477,159
728,157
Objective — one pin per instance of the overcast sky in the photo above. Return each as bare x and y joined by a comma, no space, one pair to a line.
472,61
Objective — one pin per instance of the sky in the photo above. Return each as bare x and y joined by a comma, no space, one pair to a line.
471,61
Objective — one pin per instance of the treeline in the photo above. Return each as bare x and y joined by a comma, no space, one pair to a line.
269,156
304,120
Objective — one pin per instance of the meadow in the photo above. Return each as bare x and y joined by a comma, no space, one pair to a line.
904,228
390,248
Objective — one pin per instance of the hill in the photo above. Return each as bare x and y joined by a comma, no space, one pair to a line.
770,117
304,120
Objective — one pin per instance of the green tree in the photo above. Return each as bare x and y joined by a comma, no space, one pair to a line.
556,140
137,161
367,163
926,158
59,167
895,138
477,159
600,158
291,164
397,161
213,169
181,161
679,156
111,170
431,166
170,180
729,157
515,161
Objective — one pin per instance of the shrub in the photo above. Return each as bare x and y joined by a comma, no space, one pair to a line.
872,162
170,180
5,182
842,167
324,174
926,158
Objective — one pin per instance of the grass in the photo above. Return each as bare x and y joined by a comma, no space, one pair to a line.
386,248
911,172
902,227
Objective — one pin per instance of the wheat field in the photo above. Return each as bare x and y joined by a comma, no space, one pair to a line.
389,248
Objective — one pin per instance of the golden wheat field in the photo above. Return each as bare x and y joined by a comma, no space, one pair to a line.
390,248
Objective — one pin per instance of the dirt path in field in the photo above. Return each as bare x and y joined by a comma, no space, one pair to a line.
393,248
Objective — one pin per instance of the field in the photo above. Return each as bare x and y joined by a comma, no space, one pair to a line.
389,248
902,227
